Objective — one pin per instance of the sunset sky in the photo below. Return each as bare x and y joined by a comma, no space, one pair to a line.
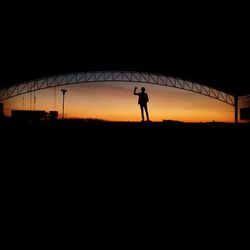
115,101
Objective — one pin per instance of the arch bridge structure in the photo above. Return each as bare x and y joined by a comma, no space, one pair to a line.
117,76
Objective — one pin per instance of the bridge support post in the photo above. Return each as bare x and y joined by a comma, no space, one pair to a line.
1,110
236,107
63,91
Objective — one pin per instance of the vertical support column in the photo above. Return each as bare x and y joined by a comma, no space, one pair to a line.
63,91
34,97
55,98
236,107
30,100
1,110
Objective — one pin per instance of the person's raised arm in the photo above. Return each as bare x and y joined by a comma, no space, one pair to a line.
135,91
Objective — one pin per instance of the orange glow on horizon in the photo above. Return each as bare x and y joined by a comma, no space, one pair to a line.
116,102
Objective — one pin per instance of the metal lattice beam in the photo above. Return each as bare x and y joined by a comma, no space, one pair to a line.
113,76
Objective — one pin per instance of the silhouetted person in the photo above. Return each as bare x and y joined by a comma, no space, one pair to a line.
142,101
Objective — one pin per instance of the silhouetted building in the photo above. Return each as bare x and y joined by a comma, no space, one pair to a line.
53,115
29,115
245,113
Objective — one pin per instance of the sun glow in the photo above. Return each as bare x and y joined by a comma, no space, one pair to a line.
116,102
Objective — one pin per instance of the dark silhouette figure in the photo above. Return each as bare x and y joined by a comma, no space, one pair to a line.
142,101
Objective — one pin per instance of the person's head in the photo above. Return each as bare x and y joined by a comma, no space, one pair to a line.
142,89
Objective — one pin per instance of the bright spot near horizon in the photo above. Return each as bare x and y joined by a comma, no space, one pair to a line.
115,101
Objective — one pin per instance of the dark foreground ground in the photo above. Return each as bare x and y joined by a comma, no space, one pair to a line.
129,185
76,153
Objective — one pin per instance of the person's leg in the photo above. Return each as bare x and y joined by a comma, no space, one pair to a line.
146,110
142,114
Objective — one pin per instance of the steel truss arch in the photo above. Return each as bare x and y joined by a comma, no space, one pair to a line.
113,76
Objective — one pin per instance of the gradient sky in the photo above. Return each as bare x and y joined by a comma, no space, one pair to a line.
115,101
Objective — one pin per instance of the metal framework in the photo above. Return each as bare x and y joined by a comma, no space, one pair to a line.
113,76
